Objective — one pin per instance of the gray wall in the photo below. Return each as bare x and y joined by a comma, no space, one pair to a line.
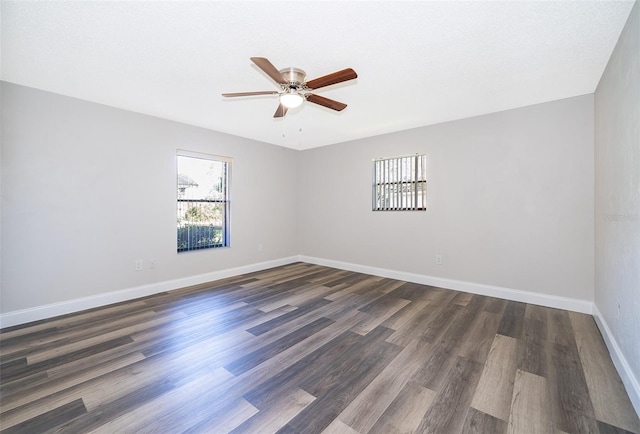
617,193
88,189
509,198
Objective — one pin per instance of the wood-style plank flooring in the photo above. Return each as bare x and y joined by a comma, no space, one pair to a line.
309,349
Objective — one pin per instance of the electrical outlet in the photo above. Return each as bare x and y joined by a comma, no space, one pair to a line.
152,263
439,259
260,247
618,312
138,264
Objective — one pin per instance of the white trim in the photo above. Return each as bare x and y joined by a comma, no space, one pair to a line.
629,380
203,156
398,156
62,308
24,316
555,301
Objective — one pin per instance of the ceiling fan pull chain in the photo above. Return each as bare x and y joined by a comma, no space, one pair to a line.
284,118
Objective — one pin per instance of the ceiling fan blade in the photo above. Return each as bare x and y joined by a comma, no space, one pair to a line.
280,111
336,77
332,104
261,92
270,70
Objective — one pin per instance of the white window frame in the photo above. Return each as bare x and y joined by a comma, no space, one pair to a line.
225,201
399,183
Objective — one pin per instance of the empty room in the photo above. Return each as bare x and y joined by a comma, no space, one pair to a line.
320,217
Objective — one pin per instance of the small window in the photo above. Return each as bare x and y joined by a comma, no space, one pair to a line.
399,184
203,201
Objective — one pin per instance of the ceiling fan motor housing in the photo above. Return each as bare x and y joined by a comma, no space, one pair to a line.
294,76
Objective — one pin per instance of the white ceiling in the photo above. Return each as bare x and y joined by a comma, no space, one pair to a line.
419,63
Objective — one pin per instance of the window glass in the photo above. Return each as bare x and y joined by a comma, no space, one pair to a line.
202,201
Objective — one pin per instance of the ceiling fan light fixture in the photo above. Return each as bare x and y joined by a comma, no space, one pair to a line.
291,100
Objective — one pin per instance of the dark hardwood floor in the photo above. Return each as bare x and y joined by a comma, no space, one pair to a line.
310,349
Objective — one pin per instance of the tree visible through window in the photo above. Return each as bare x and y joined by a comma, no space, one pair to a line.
400,184
203,201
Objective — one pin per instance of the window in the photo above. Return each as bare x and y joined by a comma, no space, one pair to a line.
203,201
399,183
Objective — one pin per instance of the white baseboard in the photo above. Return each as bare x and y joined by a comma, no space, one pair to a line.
24,316
630,381
576,305
51,310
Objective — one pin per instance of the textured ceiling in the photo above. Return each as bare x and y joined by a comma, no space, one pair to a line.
419,63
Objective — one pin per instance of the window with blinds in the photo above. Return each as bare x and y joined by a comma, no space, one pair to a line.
399,184
202,201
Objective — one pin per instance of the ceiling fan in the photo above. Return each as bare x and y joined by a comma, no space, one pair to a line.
294,89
